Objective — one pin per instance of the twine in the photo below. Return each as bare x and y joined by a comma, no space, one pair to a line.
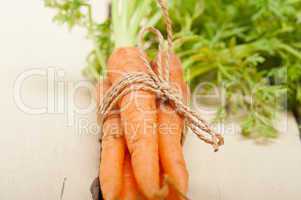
168,24
158,84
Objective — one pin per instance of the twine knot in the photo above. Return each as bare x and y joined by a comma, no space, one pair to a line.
157,84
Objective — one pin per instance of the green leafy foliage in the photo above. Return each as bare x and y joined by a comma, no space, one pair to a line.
250,48
69,11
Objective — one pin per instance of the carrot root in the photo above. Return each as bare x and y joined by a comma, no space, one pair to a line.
139,118
112,155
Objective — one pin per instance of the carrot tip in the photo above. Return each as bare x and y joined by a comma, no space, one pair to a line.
162,194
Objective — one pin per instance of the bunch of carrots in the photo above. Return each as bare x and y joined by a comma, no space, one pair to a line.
142,155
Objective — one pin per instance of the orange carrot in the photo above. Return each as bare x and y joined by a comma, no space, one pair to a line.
113,150
170,128
130,189
138,118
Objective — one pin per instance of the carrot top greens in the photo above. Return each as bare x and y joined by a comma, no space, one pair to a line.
251,48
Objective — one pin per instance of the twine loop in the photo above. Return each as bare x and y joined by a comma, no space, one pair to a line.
158,83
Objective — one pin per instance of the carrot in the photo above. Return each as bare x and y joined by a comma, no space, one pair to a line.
130,189
170,130
138,118
113,150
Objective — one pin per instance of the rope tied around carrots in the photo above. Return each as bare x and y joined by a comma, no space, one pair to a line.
158,84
